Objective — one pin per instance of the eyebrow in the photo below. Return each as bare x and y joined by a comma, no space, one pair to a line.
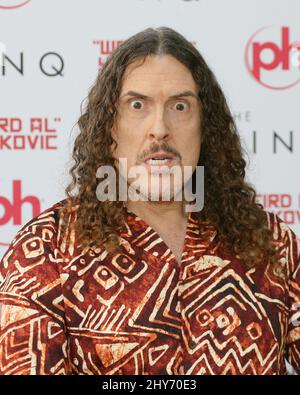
186,93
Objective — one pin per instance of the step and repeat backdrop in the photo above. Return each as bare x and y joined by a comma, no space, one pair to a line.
51,51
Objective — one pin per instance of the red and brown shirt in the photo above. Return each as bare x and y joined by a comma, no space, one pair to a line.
141,312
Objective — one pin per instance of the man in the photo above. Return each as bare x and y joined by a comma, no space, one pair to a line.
147,287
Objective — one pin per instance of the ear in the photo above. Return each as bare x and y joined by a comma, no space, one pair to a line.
113,131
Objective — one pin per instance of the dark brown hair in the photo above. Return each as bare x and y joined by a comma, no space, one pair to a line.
230,202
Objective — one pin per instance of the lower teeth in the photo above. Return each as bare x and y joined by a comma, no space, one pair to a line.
157,161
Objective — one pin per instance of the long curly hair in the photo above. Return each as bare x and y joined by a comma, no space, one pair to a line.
229,201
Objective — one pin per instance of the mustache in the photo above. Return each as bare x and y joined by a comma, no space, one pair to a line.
159,147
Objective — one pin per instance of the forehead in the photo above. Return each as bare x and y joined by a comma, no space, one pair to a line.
163,72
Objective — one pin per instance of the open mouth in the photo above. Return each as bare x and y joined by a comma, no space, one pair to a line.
159,159
159,162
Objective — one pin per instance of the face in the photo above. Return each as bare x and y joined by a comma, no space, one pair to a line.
159,116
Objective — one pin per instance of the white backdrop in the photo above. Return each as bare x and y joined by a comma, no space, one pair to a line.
50,52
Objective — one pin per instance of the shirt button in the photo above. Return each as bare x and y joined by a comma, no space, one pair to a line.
192,344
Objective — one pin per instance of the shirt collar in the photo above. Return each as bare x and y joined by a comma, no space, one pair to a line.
199,234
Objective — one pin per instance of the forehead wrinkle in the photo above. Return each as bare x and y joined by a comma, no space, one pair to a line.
183,93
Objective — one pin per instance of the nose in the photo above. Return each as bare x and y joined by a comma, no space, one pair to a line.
158,129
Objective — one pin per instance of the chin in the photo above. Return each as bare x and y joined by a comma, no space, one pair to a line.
160,194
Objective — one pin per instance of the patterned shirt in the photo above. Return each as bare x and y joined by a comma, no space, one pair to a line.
65,311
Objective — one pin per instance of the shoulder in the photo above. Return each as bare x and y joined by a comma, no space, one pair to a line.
287,242
33,248
42,228
282,231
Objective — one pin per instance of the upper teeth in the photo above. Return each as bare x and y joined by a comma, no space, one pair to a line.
157,161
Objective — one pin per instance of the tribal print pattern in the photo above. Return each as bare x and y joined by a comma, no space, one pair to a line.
64,311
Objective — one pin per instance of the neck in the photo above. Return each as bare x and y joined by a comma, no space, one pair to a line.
163,211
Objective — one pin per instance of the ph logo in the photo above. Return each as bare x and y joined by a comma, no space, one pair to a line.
12,4
272,59
13,208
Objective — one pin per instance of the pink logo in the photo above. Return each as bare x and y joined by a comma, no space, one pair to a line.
12,4
275,64
13,209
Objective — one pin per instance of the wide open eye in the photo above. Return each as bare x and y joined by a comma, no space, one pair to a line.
136,104
181,106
